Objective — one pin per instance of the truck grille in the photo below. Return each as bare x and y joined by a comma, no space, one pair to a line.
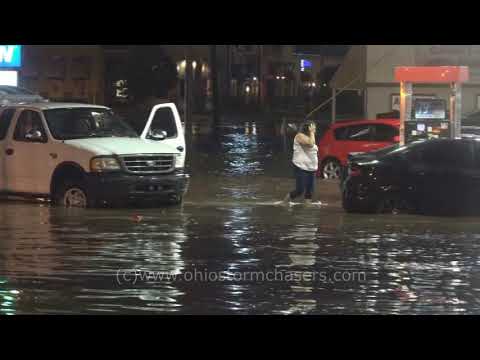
149,164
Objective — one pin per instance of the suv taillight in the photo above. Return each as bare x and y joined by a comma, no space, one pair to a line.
354,170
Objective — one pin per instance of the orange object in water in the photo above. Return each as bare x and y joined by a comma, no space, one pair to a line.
137,218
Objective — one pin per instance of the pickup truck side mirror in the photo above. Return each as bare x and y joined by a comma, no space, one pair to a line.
158,135
34,136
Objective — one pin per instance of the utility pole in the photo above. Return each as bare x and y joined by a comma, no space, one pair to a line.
334,105
214,78
260,76
228,71
188,86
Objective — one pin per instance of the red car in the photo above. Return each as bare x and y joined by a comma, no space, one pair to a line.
344,138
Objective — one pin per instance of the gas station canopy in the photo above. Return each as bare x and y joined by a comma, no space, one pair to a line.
432,74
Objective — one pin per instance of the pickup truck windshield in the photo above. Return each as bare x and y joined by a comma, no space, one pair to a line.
83,123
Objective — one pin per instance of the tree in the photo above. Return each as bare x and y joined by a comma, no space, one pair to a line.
150,73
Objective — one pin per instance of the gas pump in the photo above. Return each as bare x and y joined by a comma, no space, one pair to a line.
424,119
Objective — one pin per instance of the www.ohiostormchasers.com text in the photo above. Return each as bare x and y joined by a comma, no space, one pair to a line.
125,277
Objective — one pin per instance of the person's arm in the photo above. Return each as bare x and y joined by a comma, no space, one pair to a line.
308,140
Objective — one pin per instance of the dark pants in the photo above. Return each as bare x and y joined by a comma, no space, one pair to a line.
305,181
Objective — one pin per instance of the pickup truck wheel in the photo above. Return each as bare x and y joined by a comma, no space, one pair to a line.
73,194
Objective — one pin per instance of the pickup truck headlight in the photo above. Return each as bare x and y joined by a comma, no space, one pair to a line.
180,161
102,164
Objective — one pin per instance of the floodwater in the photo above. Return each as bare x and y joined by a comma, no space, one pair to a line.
232,249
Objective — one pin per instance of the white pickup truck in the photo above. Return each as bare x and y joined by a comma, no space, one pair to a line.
81,155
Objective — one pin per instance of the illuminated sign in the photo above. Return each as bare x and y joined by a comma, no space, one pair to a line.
305,64
9,78
10,56
427,109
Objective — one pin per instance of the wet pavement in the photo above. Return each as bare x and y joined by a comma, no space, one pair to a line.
232,249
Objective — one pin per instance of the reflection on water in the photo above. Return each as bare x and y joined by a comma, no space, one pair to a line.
59,261
8,299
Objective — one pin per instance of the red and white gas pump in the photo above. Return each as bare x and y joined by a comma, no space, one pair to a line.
428,119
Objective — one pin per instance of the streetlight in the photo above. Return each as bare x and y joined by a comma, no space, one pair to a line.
194,67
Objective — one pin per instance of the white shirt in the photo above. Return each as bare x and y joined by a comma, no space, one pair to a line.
305,157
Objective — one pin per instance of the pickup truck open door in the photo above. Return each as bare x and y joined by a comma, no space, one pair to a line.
164,125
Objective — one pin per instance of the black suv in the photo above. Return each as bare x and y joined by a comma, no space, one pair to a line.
437,177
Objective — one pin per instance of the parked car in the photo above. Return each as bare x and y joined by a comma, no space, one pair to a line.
431,177
343,138
15,95
471,119
85,156
471,125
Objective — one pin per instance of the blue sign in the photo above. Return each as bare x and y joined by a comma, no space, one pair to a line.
306,64
10,56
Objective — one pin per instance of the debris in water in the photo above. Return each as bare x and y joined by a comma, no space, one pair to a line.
137,218
405,294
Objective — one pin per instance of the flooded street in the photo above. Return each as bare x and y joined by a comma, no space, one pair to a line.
58,261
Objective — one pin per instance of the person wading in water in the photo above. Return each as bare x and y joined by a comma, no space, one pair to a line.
305,163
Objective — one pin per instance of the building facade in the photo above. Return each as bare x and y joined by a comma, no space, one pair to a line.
270,74
369,71
115,78
247,74
71,73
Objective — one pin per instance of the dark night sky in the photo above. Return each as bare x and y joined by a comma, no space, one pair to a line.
323,49
307,49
